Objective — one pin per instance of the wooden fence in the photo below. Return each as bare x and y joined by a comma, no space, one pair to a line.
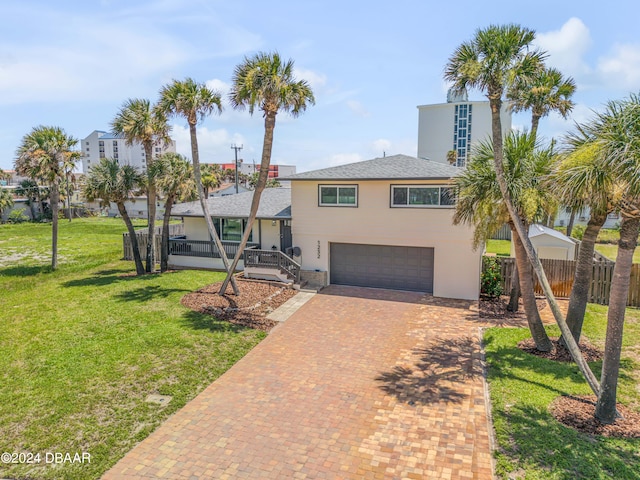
561,273
175,229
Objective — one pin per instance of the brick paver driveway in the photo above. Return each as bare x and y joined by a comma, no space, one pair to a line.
359,383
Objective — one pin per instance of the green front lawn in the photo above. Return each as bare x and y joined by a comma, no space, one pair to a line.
84,346
531,443
611,251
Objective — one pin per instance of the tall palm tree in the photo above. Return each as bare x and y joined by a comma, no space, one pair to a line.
480,204
174,178
266,82
617,132
109,182
543,93
490,62
582,179
6,200
195,101
139,122
46,154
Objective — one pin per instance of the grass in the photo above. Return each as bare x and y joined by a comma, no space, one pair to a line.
83,346
607,245
502,248
533,445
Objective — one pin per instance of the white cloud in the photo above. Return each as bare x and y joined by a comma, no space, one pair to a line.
621,67
381,147
316,80
213,145
357,108
567,46
219,86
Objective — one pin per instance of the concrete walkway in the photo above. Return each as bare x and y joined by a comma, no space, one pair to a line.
358,383
291,306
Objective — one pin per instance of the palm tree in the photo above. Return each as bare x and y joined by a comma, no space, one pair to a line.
211,177
494,58
543,93
109,182
6,201
617,132
137,121
174,178
46,154
581,179
194,101
266,82
480,203
31,191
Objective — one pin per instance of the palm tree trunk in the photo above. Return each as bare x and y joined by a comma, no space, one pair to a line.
205,208
536,327
584,267
151,209
495,101
32,207
164,251
134,239
535,120
55,196
514,294
267,145
572,219
606,405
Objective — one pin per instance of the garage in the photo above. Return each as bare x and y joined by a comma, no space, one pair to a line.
382,266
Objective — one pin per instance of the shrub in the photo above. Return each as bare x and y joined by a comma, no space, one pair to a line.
491,278
578,231
17,216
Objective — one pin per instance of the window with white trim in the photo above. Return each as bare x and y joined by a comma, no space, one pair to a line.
422,196
338,195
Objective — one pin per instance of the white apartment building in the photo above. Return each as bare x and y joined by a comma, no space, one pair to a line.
100,144
455,125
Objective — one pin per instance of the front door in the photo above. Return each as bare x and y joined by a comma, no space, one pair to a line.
285,235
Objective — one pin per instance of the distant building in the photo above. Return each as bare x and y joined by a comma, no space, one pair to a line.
454,127
275,171
101,144
14,179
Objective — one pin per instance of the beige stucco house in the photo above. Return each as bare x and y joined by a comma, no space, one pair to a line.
383,223
387,223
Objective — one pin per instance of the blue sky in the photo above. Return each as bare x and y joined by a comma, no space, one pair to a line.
73,63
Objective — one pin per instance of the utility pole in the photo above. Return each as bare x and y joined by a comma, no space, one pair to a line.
236,148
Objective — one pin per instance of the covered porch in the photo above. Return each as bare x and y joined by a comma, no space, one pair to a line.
268,251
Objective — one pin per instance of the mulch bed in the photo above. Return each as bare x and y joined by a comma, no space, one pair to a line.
559,353
578,413
249,309
494,311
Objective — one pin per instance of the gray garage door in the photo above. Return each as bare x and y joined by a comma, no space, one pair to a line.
382,266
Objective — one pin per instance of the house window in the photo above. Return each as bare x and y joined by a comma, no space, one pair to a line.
422,196
231,229
338,195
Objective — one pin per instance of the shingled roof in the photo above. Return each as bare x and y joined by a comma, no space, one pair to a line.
394,167
275,203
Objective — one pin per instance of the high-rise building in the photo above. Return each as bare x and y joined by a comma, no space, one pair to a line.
446,131
101,144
